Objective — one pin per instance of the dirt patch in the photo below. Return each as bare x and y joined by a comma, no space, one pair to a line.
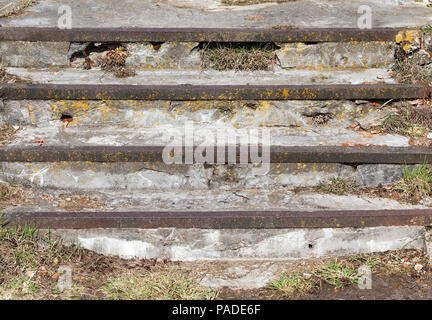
12,195
403,274
7,132
11,7
238,56
321,119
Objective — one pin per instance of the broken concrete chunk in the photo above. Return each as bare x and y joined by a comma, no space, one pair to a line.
373,54
168,55
77,47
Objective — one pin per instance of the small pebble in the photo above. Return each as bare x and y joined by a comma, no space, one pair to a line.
418,267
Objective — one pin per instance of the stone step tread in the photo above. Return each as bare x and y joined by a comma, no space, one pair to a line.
210,13
216,200
207,77
160,135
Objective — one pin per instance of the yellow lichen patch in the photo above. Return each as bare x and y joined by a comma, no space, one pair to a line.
408,39
399,37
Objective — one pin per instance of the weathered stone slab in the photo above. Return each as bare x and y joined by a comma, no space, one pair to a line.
161,176
337,55
214,14
167,55
186,55
272,199
237,114
34,54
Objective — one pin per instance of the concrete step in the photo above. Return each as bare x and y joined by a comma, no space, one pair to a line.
145,168
72,84
194,49
204,132
323,65
199,201
96,76
268,224
214,14
216,236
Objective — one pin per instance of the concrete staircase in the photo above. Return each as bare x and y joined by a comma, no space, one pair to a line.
103,137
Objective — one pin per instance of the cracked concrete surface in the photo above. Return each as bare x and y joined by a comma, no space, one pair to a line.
160,176
211,14
187,55
202,77
242,244
273,198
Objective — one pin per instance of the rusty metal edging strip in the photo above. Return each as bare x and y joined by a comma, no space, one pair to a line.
223,220
211,92
278,154
198,34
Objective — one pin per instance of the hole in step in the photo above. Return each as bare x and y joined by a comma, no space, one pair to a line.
238,55
109,57
89,51
66,119
156,45
310,245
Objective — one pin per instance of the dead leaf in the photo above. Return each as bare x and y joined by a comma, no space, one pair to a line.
39,141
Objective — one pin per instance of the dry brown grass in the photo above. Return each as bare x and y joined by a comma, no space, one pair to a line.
409,121
14,195
238,56
408,69
321,119
6,77
15,7
338,186
29,262
162,285
114,61
7,133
